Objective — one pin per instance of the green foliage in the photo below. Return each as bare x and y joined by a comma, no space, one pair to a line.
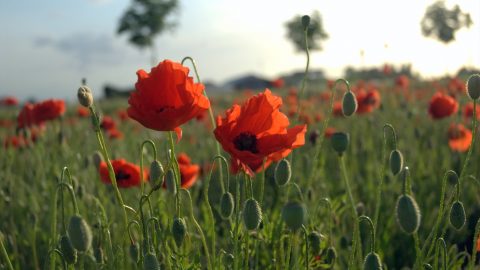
145,19
315,32
441,23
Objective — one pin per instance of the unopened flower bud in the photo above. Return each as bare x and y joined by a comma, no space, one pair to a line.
372,262
408,214
283,172
457,215
150,262
226,205
79,233
349,103
396,161
85,97
179,230
305,21
156,173
294,214
252,214
473,86
340,142
67,249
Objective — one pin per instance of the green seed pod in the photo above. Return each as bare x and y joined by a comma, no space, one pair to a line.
473,86
372,262
98,253
97,158
228,259
294,214
170,182
283,172
134,252
315,241
79,233
340,142
349,103
396,161
457,215
85,97
252,214
408,214
156,173
179,230
67,249
330,256
150,262
226,205
305,21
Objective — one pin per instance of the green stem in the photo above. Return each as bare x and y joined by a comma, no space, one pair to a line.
176,170
470,149
305,234
59,253
372,232
5,254
305,74
237,224
382,174
316,157
474,246
443,246
418,252
152,144
330,219
111,171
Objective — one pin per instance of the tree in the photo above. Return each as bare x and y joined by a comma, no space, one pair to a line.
441,23
145,19
315,32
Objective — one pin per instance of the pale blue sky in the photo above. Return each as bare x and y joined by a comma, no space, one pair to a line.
47,46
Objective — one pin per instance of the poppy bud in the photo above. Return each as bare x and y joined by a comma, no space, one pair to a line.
452,178
305,21
315,241
396,161
98,253
97,159
150,262
349,103
85,97
340,142
252,214
134,252
226,205
408,214
170,182
372,262
80,234
473,86
427,266
179,230
156,173
283,172
294,214
360,207
330,256
228,259
457,215
67,249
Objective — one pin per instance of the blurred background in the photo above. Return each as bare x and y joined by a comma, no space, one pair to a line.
46,47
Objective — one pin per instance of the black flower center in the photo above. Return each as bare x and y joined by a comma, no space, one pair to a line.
165,108
121,176
246,142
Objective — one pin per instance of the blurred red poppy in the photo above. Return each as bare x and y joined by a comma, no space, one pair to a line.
188,171
127,174
82,111
108,123
257,131
26,116
442,106
166,97
468,111
459,138
8,101
402,81
48,110
114,133
15,142
337,109
367,101
329,132
278,83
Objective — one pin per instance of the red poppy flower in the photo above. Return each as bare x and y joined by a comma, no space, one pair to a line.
26,116
127,174
108,123
188,171
48,110
459,138
278,83
456,85
123,115
82,111
8,101
442,105
329,132
367,101
337,109
468,111
166,97
402,81
256,131
114,133
15,142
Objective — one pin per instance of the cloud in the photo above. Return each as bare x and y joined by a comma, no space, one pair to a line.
85,48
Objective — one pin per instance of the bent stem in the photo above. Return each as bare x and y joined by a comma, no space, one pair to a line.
305,74
176,170
307,248
111,172
152,144
443,246
200,231
316,157
474,245
470,149
382,174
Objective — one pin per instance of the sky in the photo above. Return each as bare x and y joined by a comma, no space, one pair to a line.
47,46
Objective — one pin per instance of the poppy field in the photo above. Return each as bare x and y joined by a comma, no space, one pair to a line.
329,175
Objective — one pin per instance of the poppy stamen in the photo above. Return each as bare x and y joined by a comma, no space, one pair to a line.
246,141
122,176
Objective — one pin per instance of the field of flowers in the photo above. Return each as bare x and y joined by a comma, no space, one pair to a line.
337,175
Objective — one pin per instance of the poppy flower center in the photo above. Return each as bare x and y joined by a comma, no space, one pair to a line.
164,108
122,176
246,141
